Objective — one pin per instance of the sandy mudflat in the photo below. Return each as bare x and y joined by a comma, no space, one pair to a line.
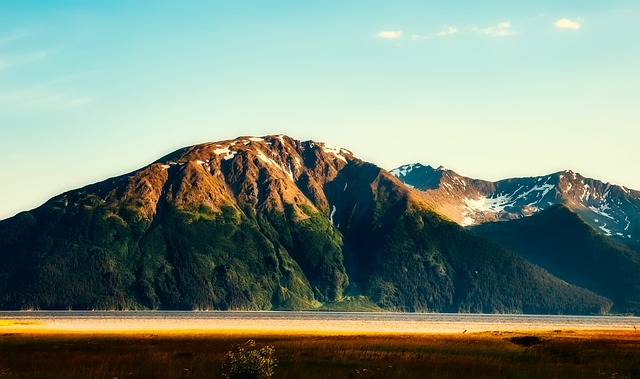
325,324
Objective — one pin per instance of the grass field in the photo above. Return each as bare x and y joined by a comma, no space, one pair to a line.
554,354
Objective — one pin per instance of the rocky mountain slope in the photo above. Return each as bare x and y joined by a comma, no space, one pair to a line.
613,210
265,223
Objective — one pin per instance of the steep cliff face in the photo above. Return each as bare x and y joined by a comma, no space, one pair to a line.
263,223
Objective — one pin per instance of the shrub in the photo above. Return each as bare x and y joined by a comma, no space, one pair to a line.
248,361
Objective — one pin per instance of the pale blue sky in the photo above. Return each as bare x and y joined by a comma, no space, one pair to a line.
490,89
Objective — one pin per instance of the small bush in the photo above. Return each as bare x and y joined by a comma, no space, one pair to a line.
247,361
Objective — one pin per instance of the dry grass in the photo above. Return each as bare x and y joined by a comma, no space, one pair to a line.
566,354
5,323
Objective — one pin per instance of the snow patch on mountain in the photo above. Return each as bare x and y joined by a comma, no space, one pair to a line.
544,188
460,181
471,202
601,211
336,151
288,172
523,200
265,159
605,230
228,154
333,211
467,221
405,169
491,204
585,193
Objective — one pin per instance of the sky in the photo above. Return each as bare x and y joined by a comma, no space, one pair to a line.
490,89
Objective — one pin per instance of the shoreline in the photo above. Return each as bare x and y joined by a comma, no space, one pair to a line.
127,328
172,322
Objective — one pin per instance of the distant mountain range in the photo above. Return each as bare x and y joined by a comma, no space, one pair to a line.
613,210
277,223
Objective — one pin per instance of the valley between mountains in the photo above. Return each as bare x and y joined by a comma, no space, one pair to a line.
274,223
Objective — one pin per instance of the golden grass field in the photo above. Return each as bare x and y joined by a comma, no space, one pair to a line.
33,350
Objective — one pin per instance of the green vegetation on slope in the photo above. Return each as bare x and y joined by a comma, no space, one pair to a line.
406,258
82,259
559,241
178,238
312,242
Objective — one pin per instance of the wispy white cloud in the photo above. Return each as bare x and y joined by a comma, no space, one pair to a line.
449,30
446,31
502,29
389,34
565,23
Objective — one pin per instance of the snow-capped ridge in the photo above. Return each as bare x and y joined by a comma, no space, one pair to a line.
405,169
338,152
472,201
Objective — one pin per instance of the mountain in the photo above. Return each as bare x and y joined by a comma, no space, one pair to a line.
613,210
581,230
265,223
561,242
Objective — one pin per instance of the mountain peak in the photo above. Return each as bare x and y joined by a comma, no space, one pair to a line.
264,172
405,169
270,223
264,147
612,210
417,175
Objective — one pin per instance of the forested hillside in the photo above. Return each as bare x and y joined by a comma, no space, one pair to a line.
265,223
